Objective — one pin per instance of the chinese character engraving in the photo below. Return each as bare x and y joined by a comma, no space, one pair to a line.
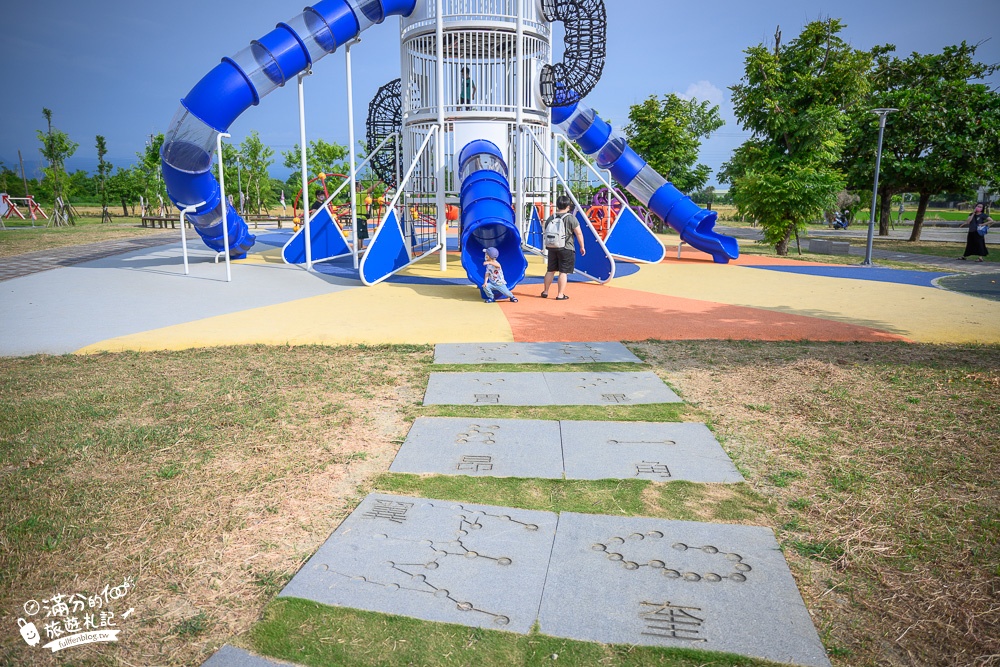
475,463
486,398
672,621
389,509
652,468
614,398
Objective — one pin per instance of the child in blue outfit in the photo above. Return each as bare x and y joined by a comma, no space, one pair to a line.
494,276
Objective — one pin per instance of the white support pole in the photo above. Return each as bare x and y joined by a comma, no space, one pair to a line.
350,141
305,167
442,220
225,205
184,243
519,146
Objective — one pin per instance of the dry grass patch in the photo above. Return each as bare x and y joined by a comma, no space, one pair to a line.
208,477
881,462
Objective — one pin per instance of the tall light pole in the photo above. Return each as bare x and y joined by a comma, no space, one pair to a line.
882,113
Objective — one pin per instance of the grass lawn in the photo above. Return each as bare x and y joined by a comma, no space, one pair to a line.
208,477
22,238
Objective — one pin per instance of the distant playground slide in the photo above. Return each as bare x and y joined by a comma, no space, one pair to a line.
234,86
595,138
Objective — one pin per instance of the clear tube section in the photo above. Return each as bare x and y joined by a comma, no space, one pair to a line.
611,151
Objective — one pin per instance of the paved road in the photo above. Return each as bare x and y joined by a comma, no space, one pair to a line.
858,237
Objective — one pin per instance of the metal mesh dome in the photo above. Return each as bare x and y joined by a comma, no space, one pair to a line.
384,118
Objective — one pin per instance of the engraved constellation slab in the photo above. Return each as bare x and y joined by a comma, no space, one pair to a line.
645,450
678,584
532,353
608,389
547,389
486,389
435,560
492,447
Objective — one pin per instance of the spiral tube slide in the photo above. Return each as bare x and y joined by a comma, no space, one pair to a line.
240,82
584,42
487,213
594,137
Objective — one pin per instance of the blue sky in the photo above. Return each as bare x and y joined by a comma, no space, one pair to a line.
120,68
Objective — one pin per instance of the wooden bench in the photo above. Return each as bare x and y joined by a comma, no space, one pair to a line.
257,219
157,221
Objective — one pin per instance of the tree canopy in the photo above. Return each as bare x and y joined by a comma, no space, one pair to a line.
945,136
668,131
793,98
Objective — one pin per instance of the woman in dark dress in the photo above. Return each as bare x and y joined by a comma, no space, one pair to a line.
975,243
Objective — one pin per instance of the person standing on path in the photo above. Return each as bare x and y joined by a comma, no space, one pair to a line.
562,258
975,242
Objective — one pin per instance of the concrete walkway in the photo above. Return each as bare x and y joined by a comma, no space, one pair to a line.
133,294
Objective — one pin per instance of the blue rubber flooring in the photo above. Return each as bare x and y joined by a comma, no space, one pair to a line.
878,274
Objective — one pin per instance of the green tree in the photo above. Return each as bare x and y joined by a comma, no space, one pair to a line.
321,157
147,175
945,137
103,170
56,148
250,171
668,131
792,99
125,186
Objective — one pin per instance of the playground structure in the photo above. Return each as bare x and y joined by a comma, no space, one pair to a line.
469,123
9,208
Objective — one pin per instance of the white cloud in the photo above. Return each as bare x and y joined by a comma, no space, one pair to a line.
703,91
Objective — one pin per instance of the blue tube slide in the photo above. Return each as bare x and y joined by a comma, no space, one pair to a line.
488,218
594,137
236,84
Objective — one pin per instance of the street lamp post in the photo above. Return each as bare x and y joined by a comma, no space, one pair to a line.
882,113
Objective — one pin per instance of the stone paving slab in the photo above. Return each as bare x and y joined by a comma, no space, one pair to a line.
608,389
532,353
231,656
442,561
645,450
570,449
547,389
477,447
487,389
716,587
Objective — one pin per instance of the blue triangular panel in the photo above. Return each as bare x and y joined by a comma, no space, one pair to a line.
387,252
597,263
630,238
534,236
326,240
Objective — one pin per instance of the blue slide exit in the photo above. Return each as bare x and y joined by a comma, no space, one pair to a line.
612,152
238,83
488,218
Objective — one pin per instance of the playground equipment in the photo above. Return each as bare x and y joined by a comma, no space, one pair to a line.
9,207
493,153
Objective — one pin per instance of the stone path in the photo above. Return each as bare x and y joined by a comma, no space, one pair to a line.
564,450
597,578
547,389
230,656
44,260
627,580
532,353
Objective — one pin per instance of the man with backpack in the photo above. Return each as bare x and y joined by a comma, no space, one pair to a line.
560,232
